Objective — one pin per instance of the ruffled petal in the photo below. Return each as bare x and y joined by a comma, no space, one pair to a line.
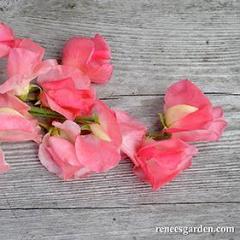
22,62
14,128
6,33
160,162
69,129
185,92
108,121
91,55
59,160
81,81
28,44
100,74
8,100
102,49
78,103
77,52
62,162
95,154
132,132
6,39
195,120
209,132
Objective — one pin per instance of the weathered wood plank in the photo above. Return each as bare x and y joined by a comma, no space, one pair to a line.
154,42
214,176
117,224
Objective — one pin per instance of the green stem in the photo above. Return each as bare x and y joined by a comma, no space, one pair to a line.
159,135
48,113
45,113
87,120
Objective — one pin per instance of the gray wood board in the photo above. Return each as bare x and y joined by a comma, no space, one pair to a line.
154,43
214,176
118,223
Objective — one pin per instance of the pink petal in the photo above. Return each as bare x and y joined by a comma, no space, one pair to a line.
81,81
87,146
21,70
160,162
212,132
7,100
100,74
77,52
4,49
45,66
4,167
14,84
46,158
195,120
185,92
14,128
101,46
78,102
203,125
47,101
62,162
70,129
6,39
95,154
6,33
28,44
132,132
22,62
108,121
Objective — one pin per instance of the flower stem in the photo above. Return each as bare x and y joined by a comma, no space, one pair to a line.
160,135
48,113
45,113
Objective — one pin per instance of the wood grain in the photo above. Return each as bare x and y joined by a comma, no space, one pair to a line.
118,223
154,43
214,176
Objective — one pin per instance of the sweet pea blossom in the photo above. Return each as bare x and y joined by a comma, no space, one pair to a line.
90,55
7,39
16,124
158,162
24,64
100,150
133,133
66,92
83,154
190,116
58,153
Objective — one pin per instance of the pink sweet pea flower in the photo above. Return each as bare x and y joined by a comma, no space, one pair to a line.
100,150
62,95
24,64
133,133
90,55
7,39
190,116
16,123
159,162
62,160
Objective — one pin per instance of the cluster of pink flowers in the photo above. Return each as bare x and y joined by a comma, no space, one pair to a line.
77,133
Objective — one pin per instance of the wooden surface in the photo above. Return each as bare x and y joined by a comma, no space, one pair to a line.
154,43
